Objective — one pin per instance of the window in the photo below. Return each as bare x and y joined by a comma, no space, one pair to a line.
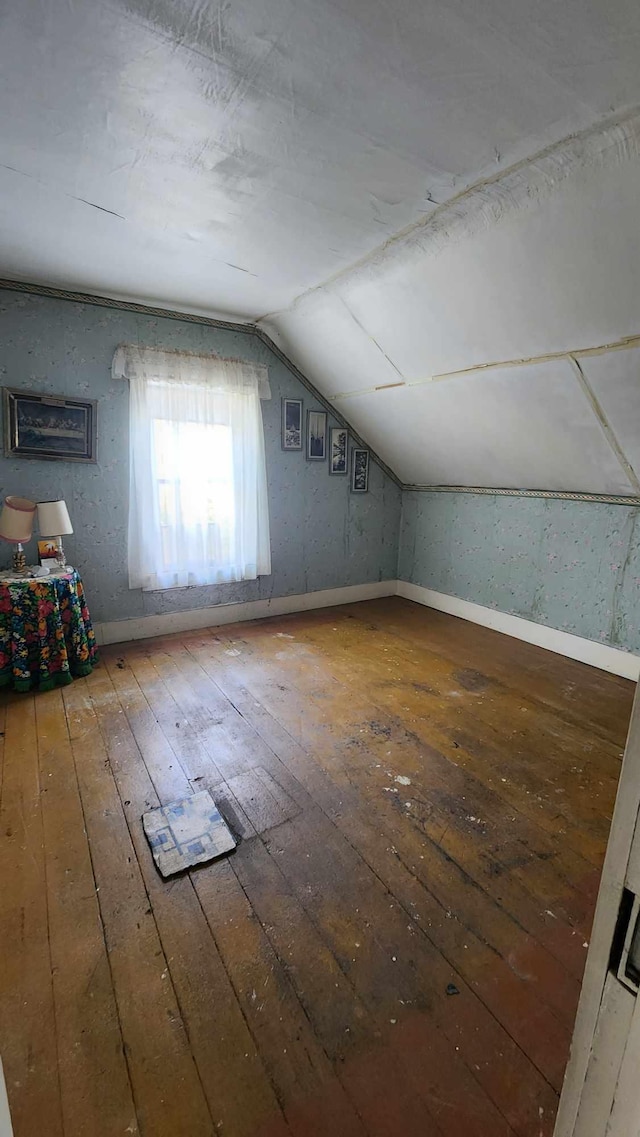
198,510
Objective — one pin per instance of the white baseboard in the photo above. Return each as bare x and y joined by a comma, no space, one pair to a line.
563,643
143,627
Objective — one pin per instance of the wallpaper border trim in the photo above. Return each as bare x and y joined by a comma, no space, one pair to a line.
8,285
562,495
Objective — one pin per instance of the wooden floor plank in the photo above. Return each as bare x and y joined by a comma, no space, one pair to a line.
351,1037
454,783
459,915
473,735
211,718
574,689
27,1016
3,717
376,683
553,1037
165,1082
242,781
240,1098
396,969
96,1093
312,1096
455,837
397,943
195,760
318,1102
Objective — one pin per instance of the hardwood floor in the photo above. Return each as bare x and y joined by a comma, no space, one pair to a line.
395,948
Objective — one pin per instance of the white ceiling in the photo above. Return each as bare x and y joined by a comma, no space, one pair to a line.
553,277
250,159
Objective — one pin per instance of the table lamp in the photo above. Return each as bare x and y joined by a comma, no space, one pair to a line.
16,526
54,521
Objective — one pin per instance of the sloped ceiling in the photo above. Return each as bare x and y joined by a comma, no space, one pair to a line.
496,357
393,192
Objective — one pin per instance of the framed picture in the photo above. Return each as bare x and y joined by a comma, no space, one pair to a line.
316,436
359,470
48,551
49,426
292,424
338,437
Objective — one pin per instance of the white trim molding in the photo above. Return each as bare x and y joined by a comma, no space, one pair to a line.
144,627
594,654
607,658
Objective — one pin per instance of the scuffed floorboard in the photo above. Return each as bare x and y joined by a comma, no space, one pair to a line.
396,947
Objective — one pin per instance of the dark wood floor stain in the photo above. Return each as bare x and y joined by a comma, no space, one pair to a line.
395,949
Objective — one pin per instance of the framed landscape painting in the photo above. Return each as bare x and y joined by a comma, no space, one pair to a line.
338,438
292,424
316,436
49,426
359,470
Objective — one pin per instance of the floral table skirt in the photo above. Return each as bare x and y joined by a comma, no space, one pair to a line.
46,637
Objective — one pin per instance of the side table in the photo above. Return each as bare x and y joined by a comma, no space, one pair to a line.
46,636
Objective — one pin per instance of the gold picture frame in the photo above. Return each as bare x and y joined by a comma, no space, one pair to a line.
49,427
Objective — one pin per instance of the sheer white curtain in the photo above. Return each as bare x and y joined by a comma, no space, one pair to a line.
198,510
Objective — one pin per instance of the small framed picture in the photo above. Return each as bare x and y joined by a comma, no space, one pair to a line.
292,424
359,470
338,437
48,552
49,426
316,436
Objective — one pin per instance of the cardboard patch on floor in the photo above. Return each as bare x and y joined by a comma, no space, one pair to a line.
186,833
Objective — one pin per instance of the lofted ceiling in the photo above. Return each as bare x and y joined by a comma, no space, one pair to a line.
394,191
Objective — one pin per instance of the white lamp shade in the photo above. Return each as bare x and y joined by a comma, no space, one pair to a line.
53,519
16,519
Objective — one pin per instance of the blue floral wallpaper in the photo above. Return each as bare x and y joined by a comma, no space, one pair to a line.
572,565
322,535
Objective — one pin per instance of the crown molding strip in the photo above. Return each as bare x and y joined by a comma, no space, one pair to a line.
208,321
561,495
123,305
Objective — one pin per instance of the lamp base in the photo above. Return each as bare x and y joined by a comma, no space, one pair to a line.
19,561
62,560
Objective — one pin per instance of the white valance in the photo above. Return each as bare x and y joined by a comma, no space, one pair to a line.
158,366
